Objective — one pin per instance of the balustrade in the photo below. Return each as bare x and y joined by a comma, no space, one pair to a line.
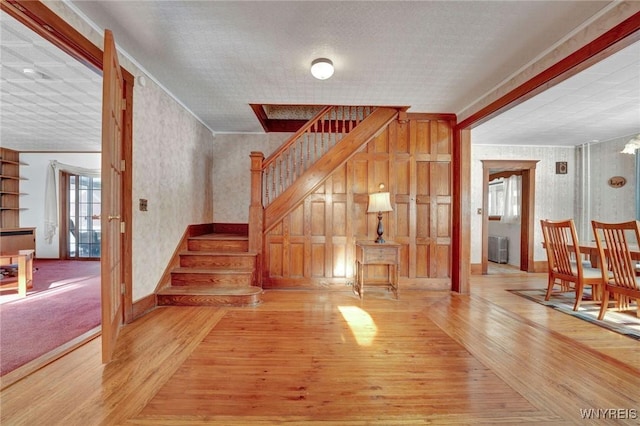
306,146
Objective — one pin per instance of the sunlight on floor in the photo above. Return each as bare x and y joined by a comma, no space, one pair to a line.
362,326
55,288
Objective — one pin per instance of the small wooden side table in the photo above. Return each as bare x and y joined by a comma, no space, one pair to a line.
372,253
24,259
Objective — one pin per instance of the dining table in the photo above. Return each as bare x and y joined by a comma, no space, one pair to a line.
591,249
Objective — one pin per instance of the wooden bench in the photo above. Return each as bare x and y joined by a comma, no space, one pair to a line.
24,260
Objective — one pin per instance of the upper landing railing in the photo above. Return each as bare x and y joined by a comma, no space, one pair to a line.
306,146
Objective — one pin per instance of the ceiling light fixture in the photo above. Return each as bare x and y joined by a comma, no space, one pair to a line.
34,74
631,146
322,68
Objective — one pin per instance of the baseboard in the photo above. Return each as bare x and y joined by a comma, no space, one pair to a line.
142,306
174,262
476,269
540,266
346,284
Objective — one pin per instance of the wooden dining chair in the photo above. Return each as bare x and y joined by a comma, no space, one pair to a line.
566,266
614,247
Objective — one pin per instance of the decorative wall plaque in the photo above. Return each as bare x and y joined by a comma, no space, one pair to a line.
561,167
617,182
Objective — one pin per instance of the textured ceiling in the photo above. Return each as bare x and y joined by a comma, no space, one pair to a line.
599,104
217,58
58,112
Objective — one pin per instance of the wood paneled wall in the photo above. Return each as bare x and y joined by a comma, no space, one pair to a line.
314,246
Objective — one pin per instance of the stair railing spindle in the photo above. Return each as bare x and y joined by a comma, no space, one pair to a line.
324,131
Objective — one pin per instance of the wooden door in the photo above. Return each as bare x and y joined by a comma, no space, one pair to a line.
111,262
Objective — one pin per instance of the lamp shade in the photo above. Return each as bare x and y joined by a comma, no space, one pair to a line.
322,68
379,202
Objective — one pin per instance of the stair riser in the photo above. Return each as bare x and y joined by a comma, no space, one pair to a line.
212,280
208,300
218,261
218,245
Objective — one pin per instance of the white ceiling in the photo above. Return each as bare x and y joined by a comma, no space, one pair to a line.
599,104
216,58
59,113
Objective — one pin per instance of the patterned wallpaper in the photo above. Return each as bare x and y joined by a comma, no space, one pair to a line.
172,169
599,200
231,172
554,198
564,196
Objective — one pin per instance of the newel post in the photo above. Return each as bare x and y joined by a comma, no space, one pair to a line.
256,212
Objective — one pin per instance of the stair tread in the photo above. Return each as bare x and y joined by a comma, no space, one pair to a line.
239,291
217,253
220,236
186,270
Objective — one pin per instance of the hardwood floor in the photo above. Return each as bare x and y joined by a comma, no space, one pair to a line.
309,357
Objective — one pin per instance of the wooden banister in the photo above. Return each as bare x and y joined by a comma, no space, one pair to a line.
278,152
256,213
336,156
289,162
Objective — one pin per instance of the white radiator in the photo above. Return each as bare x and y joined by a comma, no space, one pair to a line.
498,249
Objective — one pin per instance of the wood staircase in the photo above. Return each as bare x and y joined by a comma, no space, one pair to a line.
216,269
222,266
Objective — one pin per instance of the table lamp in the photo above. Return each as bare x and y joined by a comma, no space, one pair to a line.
379,202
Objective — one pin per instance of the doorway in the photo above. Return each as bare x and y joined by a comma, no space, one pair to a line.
81,213
526,169
39,18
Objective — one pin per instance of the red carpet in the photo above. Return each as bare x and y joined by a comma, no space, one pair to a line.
63,304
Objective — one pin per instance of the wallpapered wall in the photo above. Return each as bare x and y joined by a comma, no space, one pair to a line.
231,172
582,194
172,170
554,198
599,200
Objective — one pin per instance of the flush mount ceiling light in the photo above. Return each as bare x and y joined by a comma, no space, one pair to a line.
631,146
34,74
322,68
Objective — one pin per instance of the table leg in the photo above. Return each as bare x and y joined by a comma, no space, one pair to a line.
394,280
22,276
360,280
357,280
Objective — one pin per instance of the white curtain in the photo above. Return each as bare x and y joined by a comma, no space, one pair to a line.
512,199
51,198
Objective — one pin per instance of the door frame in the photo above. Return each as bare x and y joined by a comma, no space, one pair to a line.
616,38
527,219
36,16
63,188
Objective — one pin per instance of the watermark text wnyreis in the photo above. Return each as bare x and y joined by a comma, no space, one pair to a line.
609,413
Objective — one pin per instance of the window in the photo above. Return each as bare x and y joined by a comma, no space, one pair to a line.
505,199
512,199
496,199
84,216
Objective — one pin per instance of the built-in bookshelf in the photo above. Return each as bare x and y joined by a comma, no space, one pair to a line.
10,188
13,238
